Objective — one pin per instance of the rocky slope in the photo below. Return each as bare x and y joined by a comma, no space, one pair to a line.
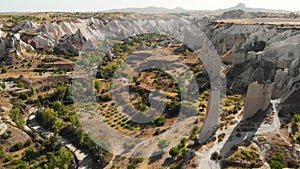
267,54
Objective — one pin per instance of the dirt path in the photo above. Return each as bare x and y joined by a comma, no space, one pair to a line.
205,157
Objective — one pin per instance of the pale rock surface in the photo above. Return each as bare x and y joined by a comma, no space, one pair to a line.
258,98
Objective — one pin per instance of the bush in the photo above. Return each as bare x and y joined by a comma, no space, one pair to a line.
23,96
131,166
296,118
160,121
162,144
196,129
221,137
234,147
3,70
20,84
184,140
174,152
15,115
28,155
48,117
183,152
276,161
215,155
16,147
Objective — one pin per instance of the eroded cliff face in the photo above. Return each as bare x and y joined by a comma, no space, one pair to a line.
263,53
260,59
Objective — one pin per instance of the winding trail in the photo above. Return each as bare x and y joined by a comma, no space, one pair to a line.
275,125
205,157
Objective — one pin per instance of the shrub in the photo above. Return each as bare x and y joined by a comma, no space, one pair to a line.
296,118
196,129
221,137
48,117
160,121
15,115
7,159
234,147
215,155
16,147
174,152
20,84
184,140
183,152
162,144
276,161
3,70
23,96
131,166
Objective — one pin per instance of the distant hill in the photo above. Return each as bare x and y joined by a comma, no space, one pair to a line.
153,9
243,7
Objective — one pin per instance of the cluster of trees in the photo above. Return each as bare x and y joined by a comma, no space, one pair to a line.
53,117
59,120
62,159
16,19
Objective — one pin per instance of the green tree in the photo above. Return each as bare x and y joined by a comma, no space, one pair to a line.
196,129
48,117
184,140
174,152
20,84
74,121
3,70
65,158
97,85
58,124
23,96
29,155
296,118
15,115
160,121
162,144
59,107
60,92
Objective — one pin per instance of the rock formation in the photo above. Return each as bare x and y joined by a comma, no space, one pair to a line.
70,45
262,53
258,98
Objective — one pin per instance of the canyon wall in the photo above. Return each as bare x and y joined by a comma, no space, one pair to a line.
258,98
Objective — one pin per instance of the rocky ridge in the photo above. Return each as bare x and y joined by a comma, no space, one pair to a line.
265,54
